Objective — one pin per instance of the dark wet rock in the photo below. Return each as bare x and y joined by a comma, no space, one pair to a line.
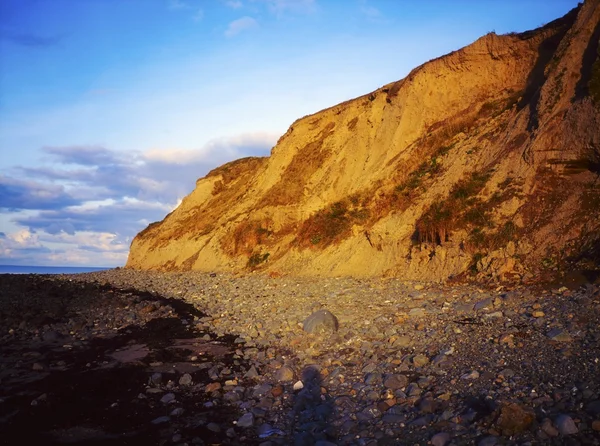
321,322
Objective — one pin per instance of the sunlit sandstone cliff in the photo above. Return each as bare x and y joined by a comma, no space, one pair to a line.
483,162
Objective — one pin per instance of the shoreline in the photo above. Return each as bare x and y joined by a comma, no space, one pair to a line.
410,362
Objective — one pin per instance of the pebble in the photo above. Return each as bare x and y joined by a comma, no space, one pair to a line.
440,439
185,380
168,398
246,420
284,374
565,425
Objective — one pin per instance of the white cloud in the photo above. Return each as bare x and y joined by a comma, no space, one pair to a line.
371,12
234,4
178,4
239,25
198,16
87,207
220,147
295,6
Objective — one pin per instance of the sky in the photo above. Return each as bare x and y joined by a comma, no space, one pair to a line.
110,110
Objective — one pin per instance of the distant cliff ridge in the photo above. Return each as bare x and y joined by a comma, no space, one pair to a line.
481,163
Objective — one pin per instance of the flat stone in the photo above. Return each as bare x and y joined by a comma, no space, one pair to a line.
251,373
402,341
463,307
417,312
168,398
488,441
514,419
471,375
161,420
246,420
440,439
565,425
484,304
559,335
395,382
321,322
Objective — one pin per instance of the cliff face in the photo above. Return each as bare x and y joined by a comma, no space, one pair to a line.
481,162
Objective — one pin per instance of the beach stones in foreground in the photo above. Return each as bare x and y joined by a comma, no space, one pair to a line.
321,322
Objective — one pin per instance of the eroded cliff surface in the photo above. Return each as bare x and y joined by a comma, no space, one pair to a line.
483,162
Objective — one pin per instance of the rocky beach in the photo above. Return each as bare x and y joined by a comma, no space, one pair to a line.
130,357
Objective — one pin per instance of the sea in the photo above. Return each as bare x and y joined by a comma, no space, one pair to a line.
24,269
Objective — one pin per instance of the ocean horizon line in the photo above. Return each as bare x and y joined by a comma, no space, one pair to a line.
44,269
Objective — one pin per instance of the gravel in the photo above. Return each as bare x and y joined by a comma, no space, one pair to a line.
224,359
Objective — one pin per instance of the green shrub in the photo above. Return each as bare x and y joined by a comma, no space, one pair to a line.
256,259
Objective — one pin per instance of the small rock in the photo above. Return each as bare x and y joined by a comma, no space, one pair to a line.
156,379
246,420
418,287
168,398
212,387
161,420
471,375
514,419
213,427
402,341
251,373
440,439
298,385
420,360
565,425
417,312
177,412
596,425
538,314
284,374
548,428
185,380
395,382
37,366
488,441
484,304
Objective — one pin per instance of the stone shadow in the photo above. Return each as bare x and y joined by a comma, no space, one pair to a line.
312,411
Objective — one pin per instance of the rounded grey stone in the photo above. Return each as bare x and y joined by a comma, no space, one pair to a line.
321,321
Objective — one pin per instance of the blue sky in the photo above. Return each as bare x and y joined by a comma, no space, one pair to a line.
111,109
